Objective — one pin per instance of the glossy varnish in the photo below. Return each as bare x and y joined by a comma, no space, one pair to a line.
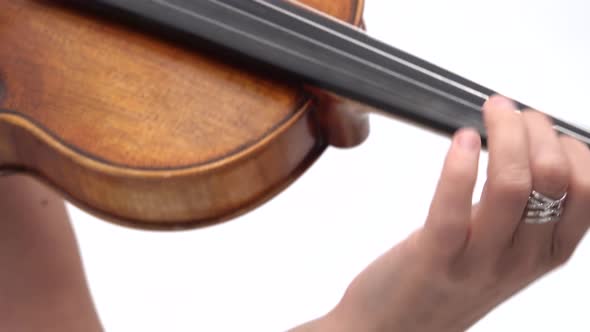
147,132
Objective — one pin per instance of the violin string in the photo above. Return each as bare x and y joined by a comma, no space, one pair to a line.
235,30
574,132
585,137
375,50
350,56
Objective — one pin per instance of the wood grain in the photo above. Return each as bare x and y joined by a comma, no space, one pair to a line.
145,131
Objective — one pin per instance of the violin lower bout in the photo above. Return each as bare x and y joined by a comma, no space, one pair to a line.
166,200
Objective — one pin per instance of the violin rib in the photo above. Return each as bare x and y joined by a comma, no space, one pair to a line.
160,199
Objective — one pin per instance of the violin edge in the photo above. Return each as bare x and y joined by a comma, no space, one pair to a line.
160,199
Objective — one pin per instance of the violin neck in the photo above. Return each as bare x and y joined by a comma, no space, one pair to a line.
333,56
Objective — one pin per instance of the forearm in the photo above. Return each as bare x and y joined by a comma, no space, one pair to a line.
42,283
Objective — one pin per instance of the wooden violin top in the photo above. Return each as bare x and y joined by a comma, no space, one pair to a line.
139,128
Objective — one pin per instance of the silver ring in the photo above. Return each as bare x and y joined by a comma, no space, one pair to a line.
542,209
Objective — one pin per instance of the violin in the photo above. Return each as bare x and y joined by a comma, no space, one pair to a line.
176,114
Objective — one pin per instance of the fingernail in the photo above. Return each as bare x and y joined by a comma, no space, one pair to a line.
469,140
501,102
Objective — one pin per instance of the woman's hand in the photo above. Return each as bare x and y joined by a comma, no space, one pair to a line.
449,274
467,259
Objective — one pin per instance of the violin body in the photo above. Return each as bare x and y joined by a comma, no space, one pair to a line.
150,133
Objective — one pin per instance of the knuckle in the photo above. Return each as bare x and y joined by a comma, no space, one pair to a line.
502,270
451,235
573,143
488,277
583,187
535,115
551,174
513,183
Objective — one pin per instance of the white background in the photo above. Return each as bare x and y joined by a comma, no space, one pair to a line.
291,260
